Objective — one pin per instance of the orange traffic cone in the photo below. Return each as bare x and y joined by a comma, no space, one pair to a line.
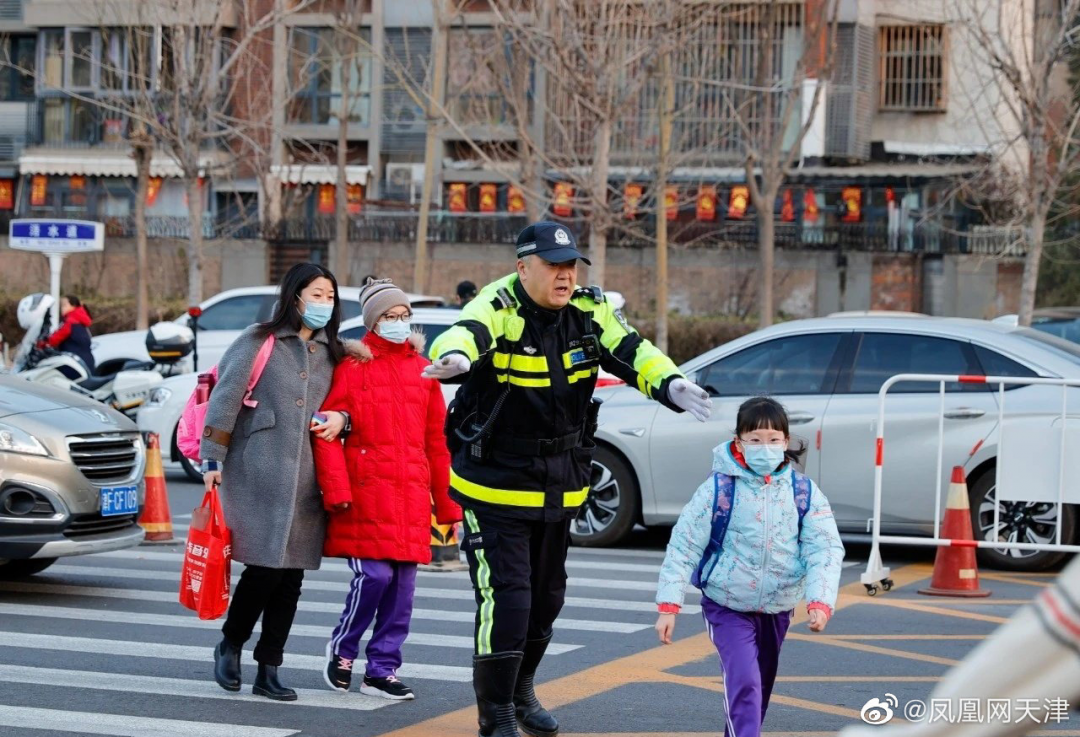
155,520
955,570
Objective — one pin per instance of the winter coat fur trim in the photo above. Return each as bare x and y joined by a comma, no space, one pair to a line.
356,348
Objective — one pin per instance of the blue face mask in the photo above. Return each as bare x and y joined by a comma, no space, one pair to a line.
763,459
396,332
316,315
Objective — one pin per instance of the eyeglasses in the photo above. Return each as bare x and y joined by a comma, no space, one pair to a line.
406,318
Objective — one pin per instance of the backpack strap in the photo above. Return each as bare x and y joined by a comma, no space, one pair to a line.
803,488
723,502
257,370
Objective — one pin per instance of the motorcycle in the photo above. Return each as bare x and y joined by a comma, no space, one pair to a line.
125,390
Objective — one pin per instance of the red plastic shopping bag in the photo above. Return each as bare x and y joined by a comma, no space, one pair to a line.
204,579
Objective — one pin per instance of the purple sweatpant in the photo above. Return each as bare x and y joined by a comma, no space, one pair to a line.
749,647
381,590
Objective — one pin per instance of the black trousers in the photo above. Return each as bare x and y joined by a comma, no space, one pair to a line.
518,572
271,593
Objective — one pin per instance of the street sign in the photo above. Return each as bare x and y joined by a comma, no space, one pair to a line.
56,239
54,236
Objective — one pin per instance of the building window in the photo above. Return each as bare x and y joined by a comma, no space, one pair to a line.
17,80
318,76
911,60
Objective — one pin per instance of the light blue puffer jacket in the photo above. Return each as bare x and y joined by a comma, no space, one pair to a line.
765,564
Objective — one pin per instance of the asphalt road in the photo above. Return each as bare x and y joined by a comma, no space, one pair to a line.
98,645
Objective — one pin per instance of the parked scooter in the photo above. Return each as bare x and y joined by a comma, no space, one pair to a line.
126,390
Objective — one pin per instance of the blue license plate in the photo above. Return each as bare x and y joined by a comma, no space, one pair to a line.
119,500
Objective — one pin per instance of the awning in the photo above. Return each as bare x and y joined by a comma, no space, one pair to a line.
885,170
319,173
933,148
95,163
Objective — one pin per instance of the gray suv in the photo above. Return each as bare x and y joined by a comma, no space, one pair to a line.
71,477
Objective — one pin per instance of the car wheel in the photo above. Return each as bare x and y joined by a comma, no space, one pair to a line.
1026,522
613,504
23,568
187,464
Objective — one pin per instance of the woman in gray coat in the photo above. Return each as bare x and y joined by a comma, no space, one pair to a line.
260,453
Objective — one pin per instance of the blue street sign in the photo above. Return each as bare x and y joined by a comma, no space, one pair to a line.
56,236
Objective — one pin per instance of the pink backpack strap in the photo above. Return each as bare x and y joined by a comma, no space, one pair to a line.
257,369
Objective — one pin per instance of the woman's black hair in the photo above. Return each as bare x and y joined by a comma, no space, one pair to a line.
76,302
287,314
765,413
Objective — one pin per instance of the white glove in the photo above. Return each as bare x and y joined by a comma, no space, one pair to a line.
690,397
447,367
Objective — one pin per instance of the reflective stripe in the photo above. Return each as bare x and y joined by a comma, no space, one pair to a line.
511,498
653,369
574,498
518,362
583,374
496,496
487,593
518,381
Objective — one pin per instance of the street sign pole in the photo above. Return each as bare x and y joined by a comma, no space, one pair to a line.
56,239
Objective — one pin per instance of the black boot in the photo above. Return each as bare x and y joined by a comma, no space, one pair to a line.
227,666
268,685
493,680
532,717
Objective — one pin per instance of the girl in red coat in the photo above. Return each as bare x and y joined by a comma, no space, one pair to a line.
379,485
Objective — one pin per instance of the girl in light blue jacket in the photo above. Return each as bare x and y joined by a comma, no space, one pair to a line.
756,538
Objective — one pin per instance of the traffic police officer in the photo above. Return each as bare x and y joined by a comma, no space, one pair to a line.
528,349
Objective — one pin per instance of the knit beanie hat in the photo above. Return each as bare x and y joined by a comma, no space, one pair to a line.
378,296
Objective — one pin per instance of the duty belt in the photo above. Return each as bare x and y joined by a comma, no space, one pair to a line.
537,446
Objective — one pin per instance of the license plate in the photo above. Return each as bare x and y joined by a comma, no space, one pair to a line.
119,500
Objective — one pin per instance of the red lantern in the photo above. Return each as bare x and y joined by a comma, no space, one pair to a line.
515,200
354,198
739,201
810,206
787,209
458,202
564,196
632,194
152,191
7,194
890,196
39,187
852,197
671,202
488,199
706,203
326,201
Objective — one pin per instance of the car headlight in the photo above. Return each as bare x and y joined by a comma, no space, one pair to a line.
159,396
14,440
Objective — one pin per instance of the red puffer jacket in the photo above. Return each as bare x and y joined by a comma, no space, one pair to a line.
395,460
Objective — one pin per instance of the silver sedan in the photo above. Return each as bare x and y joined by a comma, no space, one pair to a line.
827,372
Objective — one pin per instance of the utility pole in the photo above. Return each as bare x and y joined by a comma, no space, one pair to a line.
667,104
439,50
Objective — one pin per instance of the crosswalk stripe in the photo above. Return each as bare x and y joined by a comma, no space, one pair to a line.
422,592
125,726
187,621
438,615
334,564
203,654
98,681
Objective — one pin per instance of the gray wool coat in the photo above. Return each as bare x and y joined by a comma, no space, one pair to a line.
269,492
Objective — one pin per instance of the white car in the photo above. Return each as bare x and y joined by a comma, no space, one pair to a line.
162,413
223,317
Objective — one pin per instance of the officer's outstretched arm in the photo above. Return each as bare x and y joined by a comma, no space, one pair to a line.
633,359
468,339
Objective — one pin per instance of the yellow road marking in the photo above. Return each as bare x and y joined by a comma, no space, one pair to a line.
648,666
928,609
848,645
1005,578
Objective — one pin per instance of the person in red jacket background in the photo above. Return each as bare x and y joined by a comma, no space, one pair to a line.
73,335
379,487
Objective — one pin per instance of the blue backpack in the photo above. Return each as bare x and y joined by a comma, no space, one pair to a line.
723,503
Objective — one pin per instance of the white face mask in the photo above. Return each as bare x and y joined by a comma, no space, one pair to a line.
396,332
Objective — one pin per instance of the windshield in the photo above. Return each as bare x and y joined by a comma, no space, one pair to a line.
1067,329
1059,346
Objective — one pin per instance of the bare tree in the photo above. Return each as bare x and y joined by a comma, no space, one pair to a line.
348,50
768,104
1028,110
